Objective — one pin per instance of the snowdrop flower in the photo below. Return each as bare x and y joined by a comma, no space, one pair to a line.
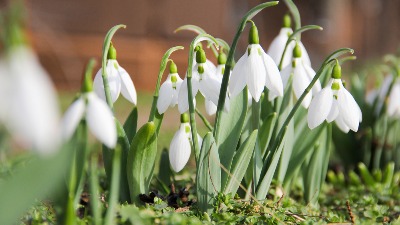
335,103
118,80
95,111
255,69
211,108
278,45
180,147
380,95
393,103
28,101
203,80
168,95
302,77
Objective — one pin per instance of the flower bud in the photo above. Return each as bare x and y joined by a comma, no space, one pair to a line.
221,58
286,21
336,71
253,35
200,56
296,51
112,52
173,68
184,118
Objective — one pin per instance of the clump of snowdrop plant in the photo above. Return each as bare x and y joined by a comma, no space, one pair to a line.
242,146
335,103
118,80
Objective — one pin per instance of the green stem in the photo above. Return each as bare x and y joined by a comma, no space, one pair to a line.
70,218
295,13
255,117
189,72
204,119
106,46
229,63
94,190
163,65
114,187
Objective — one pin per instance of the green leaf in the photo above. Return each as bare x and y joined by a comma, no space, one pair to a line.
265,132
230,129
164,174
263,185
38,179
295,12
130,124
141,161
208,177
388,174
366,175
240,163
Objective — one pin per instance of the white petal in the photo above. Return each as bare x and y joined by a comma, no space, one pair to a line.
348,109
300,83
211,108
311,74
209,88
385,87
72,117
319,108
179,150
334,112
304,55
33,110
101,121
237,80
277,46
183,104
127,88
165,96
114,81
394,100
341,124
273,79
256,74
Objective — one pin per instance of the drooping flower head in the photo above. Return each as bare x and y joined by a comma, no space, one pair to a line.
278,45
95,111
255,69
118,79
168,95
335,103
203,80
180,147
302,77
211,108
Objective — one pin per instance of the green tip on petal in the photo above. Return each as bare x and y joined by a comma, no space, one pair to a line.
253,35
336,71
287,21
297,51
174,79
221,58
87,85
200,56
200,69
173,68
184,118
112,52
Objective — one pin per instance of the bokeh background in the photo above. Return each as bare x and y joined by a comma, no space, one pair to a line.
66,34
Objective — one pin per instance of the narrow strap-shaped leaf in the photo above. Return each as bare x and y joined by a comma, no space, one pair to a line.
265,132
265,182
141,161
208,177
230,130
130,124
240,163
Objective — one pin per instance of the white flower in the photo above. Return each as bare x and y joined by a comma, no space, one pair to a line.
334,102
203,80
180,147
168,95
98,116
302,77
393,103
256,69
118,79
28,101
211,108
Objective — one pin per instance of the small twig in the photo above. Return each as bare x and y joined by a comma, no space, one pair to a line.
351,215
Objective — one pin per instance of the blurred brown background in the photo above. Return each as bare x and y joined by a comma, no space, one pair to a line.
67,33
